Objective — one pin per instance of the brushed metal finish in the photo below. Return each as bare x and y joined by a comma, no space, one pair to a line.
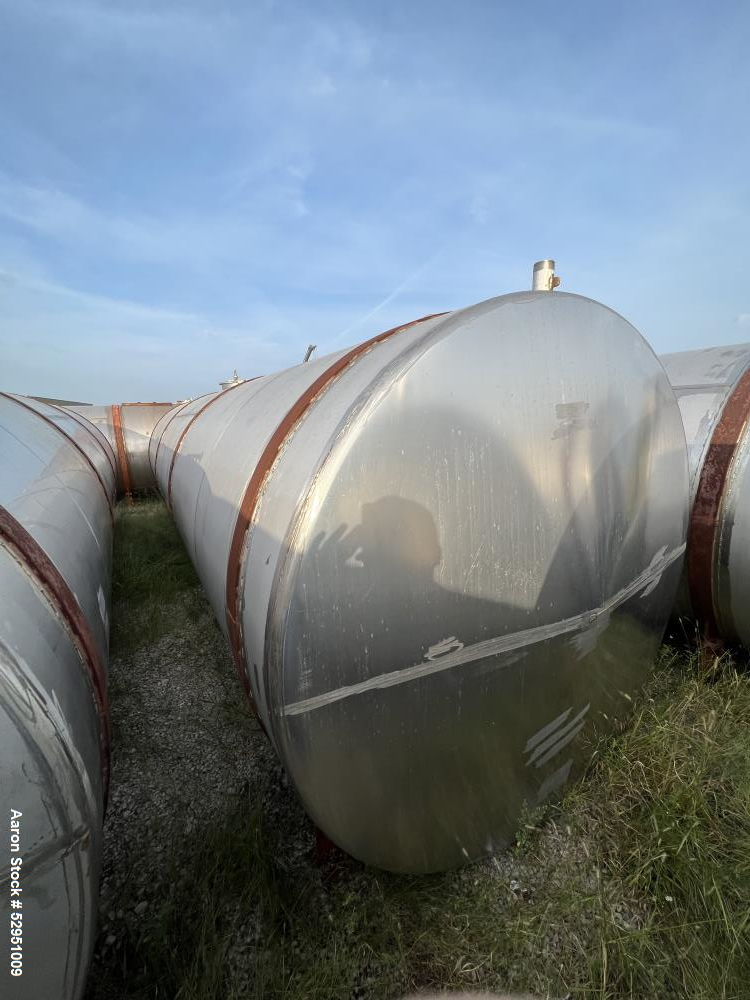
52,761
543,276
462,559
158,431
138,423
704,381
169,434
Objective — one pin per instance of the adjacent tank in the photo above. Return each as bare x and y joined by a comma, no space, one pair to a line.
128,428
442,559
713,390
57,490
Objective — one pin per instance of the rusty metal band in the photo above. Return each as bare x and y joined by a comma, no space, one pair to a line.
49,579
171,416
257,481
122,455
704,519
69,439
100,438
189,424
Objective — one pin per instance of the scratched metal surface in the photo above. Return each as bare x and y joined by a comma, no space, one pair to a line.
138,422
50,751
463,560
703,381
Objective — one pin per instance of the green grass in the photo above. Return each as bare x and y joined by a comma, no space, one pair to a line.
151,569
637,885
671,830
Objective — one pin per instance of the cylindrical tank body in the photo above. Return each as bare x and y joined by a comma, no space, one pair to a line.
128,428
713,390
439,557
57,491
174,424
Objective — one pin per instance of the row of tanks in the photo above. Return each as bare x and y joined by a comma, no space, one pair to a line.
441,558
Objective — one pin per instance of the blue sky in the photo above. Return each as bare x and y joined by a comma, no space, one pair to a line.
190,188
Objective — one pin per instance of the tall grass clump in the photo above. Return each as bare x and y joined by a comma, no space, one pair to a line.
667,812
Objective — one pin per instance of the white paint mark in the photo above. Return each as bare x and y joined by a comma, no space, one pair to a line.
489,647
545,731
354,562
557,739
554,781
451,644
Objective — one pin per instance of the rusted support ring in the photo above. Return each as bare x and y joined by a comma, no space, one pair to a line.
176,410
69,439
704,519
122,455
100,438
187,427
51,582
257,481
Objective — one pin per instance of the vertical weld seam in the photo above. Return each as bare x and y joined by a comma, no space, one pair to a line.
122,454
253,490
704,519
49,579
176,411
98,436
187,427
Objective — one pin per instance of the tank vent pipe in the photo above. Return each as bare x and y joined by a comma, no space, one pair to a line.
545,279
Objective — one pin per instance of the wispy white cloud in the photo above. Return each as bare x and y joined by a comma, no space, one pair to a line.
61,341
252,178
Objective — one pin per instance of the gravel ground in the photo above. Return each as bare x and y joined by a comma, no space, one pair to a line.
185,748
211,889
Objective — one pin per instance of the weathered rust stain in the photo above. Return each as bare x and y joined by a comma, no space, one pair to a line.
708,499
49,579
98,436
254,487
177,411
69,439
187,427
122,455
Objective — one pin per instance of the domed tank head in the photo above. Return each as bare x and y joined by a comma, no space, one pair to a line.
479,577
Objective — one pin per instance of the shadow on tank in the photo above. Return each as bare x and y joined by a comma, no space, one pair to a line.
407,738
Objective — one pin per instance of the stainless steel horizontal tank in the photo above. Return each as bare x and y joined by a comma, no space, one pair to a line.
713,390
442,558
57,491
128,428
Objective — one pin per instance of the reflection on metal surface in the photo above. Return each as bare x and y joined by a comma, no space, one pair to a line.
713,390
59,418
430,550
128,428
544,278
491,647
57,486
